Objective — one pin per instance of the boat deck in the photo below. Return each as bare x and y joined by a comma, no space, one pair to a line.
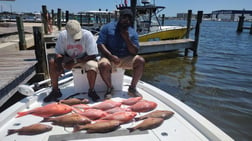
185,124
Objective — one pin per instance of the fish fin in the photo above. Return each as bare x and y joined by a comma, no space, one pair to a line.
12,131
131,129
45,120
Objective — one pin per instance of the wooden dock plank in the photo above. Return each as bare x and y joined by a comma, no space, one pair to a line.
16,67
166,45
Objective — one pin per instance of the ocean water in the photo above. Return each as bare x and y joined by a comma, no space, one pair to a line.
217,83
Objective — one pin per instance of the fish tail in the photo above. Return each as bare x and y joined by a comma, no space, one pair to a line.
137,119
45,120
131,129
11,131
20,114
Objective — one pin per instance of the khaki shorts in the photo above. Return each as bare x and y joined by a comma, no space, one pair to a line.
89,65
125,62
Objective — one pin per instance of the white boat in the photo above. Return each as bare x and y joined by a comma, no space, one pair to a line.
149,27
185,124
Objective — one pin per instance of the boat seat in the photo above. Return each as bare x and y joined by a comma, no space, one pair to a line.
81,84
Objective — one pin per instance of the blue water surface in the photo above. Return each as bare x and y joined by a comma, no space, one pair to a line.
217,83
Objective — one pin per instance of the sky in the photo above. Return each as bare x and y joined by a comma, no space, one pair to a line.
172,6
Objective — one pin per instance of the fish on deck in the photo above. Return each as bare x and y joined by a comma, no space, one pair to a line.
68,120
31,129
165,114
102,126
149,123
52,109
143,106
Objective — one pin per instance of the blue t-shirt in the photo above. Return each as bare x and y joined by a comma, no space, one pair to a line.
112,39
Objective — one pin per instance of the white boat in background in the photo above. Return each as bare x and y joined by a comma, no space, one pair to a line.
149,27
185,124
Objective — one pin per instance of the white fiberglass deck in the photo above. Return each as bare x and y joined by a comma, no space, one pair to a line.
185,124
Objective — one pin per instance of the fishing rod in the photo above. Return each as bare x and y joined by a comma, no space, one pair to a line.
28,90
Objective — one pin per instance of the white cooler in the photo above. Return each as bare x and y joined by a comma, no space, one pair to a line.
81,84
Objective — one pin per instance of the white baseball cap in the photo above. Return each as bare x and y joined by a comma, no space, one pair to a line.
74,29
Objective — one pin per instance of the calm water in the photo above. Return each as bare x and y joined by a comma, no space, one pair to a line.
217,83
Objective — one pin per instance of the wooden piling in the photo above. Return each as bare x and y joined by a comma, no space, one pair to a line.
189,17
250,32
163,19
59,24
45,18
67,16
133,8
197,32
40,52
21,34
240,23
53,17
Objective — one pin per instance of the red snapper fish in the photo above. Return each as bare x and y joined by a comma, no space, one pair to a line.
99,127
92,114
165,114
124,117
68,120
131,101
117,109
73,101
143,106
53,109
149,123
107,104
31,129
81,106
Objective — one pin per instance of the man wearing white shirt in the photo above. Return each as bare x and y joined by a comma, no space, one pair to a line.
75,47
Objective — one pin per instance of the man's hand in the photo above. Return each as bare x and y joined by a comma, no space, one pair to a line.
114,59
125,34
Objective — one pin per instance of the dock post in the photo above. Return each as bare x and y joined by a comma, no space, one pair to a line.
67,16
240,23
163,19
80,19
250,32
53,17
133,8
189,17
59,19
45,18
40,52
197,33
20,28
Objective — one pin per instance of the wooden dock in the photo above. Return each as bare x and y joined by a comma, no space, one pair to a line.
16,67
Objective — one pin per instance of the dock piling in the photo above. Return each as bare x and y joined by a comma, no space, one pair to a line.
189,17
59,19
240,23
20,28
45,18
40,52
197,33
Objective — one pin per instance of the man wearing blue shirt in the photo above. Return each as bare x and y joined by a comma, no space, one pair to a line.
118,44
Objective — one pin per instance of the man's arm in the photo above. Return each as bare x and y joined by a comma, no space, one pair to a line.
108,54
130,45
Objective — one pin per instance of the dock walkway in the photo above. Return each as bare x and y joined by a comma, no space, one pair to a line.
16,67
